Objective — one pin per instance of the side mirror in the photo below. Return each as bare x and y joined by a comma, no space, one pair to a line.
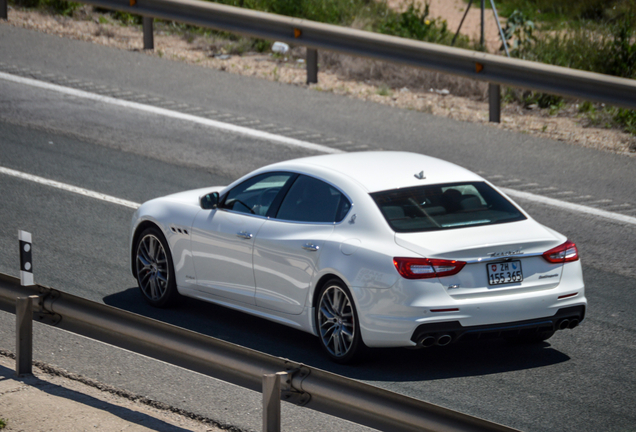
209,201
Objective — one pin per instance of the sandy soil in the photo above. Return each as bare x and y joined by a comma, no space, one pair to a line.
418,90
453,10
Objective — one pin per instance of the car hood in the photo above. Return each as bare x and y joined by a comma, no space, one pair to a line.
507,239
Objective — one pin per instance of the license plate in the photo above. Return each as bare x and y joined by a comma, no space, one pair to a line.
504,273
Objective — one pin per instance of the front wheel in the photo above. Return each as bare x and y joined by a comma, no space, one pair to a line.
337,323
155,271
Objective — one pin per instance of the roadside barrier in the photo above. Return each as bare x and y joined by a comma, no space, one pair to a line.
276,377
496,70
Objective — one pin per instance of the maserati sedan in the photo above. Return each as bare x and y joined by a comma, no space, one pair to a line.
371,249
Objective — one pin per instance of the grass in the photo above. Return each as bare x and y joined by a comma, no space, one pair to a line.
554,12
3,423
592,35
384,90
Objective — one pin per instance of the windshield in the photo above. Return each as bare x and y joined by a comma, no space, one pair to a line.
445,206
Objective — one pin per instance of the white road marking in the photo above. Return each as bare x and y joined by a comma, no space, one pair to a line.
570,206
253,133
69,188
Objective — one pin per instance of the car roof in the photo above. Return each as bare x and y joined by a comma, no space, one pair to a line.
380,170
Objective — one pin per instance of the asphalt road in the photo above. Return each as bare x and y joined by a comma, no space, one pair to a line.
582,380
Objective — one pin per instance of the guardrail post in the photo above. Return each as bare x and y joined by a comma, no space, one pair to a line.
149,42
494,103
24,335
4,13
271,401
312,66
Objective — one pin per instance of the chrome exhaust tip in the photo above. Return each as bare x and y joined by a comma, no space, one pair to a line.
444,340
427,341
573,323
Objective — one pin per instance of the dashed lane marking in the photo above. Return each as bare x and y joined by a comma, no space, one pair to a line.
278,139
253,133
569,206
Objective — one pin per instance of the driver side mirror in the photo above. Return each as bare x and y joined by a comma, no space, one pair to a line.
209,201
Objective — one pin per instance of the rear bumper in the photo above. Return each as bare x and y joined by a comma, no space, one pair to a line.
443,333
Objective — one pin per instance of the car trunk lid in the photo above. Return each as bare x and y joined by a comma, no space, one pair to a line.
501,259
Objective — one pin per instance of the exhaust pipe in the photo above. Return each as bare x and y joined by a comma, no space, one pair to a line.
573,323
427,341
564,324
444,340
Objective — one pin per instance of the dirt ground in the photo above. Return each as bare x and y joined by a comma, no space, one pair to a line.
397,86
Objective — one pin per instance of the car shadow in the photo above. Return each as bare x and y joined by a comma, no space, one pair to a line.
453,361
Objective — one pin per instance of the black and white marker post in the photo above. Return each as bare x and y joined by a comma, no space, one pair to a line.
24,309
26,261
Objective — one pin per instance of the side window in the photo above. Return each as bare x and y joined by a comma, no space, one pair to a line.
312,200
255,195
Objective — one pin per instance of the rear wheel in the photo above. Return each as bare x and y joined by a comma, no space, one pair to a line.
155,271
337,323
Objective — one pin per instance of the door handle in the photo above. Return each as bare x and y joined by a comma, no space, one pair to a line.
244,235
311,247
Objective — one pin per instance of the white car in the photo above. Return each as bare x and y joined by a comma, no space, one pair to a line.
372,249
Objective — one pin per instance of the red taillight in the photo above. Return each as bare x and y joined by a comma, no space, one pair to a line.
424,268
566,252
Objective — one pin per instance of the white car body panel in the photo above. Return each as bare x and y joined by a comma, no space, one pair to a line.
286,262
270,274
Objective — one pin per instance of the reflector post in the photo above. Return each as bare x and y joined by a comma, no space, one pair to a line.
26,258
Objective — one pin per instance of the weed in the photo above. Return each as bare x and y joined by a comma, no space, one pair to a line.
3,423
519,34
384,90
127,18
61,7
587,107
626,118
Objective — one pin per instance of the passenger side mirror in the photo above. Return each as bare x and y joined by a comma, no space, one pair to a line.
209,201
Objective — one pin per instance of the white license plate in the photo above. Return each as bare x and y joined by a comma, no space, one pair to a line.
504,273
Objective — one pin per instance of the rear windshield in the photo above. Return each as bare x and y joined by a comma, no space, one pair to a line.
445,206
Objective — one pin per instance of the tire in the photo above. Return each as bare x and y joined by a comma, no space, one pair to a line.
154,269
337,323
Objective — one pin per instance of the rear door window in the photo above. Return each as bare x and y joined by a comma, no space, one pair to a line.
312,200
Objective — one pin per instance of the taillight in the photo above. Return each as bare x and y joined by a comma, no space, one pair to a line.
424,268
566,252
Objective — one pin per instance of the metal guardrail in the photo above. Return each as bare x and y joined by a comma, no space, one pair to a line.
470,64
302,385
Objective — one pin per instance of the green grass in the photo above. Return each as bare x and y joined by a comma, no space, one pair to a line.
560,11
592,35
371,15
61,7
3,423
